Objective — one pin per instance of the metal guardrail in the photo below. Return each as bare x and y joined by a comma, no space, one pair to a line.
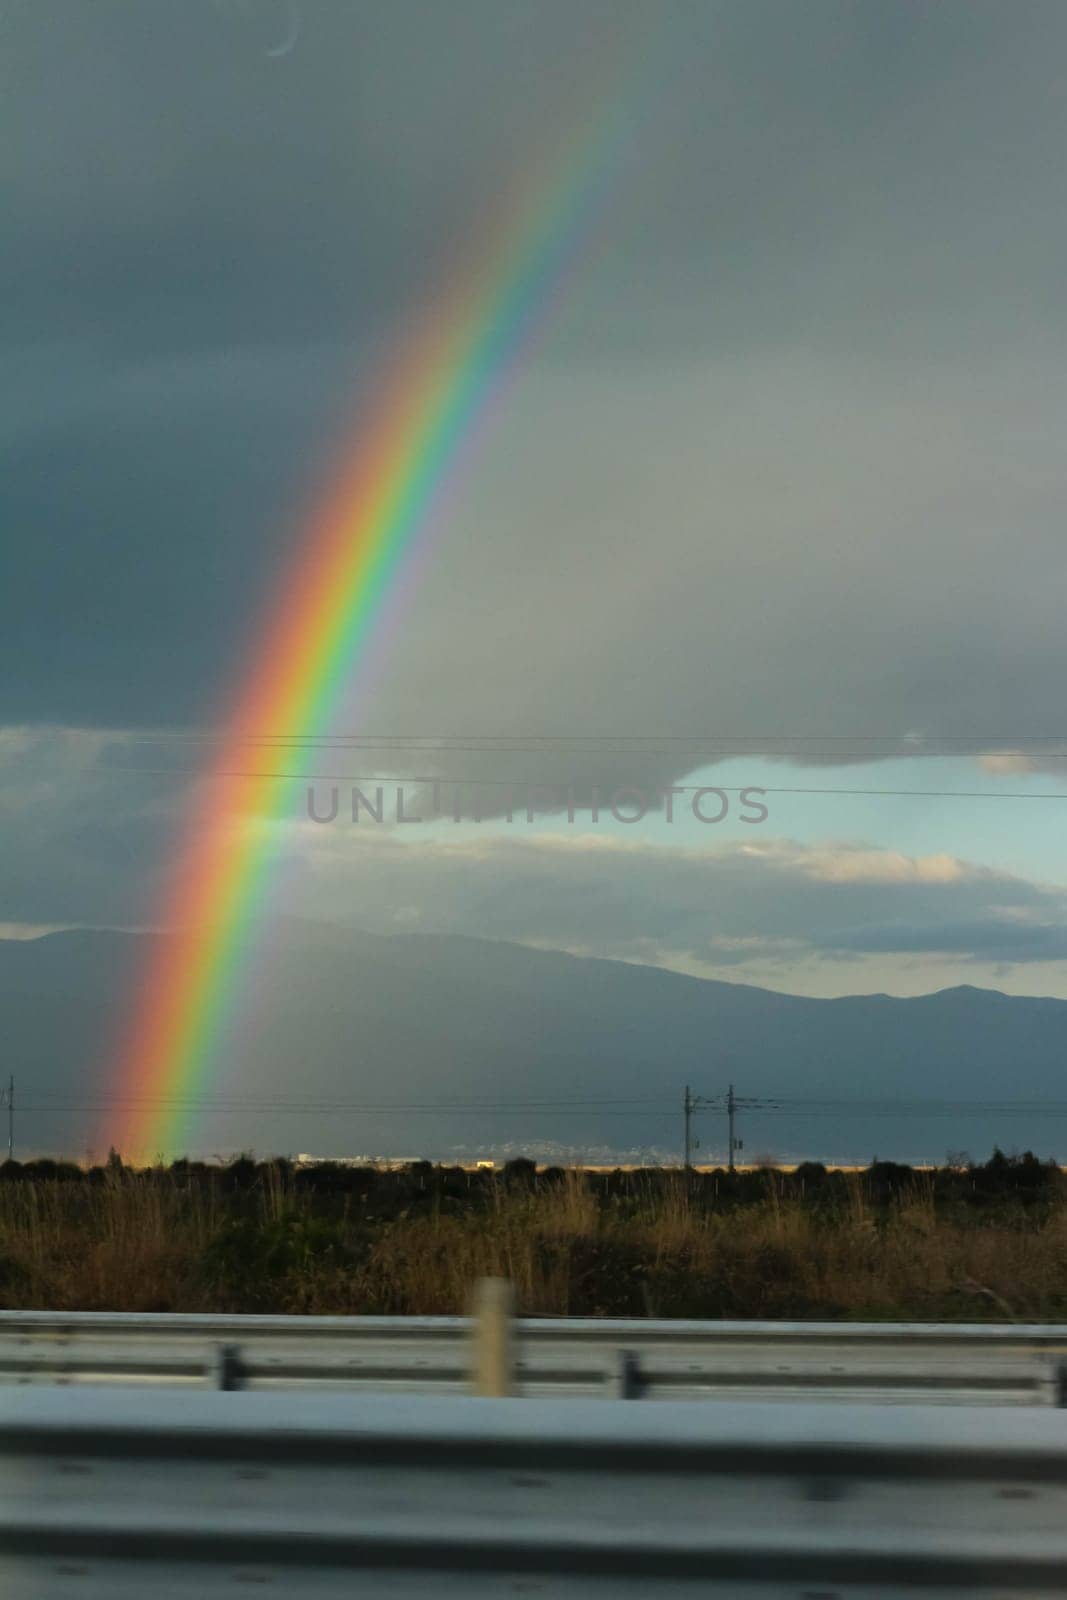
196,1496
901,1362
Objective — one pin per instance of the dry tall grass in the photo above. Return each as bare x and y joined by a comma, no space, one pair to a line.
143,1242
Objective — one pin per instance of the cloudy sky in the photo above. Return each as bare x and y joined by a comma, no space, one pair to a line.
776,500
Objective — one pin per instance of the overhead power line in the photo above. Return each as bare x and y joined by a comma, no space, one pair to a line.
373,740
761,1105
720,748
521,784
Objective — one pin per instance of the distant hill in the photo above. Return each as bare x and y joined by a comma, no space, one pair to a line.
423,1020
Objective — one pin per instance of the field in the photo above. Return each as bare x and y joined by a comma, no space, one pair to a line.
967,1243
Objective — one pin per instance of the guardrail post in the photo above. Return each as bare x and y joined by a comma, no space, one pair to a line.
492,1341
628,1382
1059,1384
224,1368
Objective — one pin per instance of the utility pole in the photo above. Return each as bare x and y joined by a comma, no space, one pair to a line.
11,1118
731,1107
687,1112
695,1102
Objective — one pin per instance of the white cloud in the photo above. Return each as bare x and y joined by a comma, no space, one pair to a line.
828,917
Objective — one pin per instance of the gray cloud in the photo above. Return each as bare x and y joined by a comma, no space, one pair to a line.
86,841
1000,939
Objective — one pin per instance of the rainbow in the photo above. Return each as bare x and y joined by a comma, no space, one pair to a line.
439,385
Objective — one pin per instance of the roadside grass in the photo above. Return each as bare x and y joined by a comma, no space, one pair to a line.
871,1246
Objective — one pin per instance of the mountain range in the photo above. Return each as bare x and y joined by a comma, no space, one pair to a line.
352,1043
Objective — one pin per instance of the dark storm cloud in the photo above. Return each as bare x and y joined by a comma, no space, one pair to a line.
789,459
209,249
80,843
